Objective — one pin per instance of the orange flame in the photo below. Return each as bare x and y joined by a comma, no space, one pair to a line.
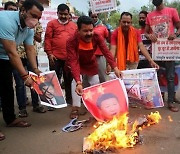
117,133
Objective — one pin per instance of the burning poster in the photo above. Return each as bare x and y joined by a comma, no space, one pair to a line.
106,100
48,88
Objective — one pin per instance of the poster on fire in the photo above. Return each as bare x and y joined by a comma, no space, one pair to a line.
106,100
48,88
142,87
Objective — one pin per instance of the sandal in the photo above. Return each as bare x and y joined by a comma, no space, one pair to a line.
74,113
172,108
2,136
39,109
19,123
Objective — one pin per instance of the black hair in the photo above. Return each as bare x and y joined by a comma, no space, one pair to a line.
144,12
105,97
62,7
90,13
28,4
8,4
44,84
126,14
84,20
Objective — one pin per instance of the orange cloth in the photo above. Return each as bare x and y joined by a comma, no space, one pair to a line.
131,54
85,46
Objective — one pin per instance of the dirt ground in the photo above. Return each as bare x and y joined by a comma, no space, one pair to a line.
45,135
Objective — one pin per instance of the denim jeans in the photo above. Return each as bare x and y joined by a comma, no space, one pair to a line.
6,91
21,88
170,74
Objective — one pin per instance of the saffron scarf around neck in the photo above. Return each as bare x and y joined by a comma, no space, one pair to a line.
131,54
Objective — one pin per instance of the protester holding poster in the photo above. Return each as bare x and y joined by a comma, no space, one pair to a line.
163,21
125,41
81,59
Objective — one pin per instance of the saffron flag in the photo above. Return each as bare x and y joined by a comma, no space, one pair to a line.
106,100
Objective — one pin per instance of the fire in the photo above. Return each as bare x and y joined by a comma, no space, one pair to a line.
118,133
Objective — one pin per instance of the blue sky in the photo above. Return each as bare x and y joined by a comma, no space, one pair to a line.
82,5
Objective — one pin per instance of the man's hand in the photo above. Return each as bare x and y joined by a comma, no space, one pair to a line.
153,64
108,69
37,71
117,72
28,81
172,37
152,37
79,89
52,59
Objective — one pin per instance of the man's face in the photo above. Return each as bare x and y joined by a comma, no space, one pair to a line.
63,16
142,19
94,17
125,22
48,91
12,8
86,32
110,107
20,3
31,17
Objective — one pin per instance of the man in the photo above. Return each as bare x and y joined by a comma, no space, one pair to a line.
11,6
125,41
48,94
20,87
143,62
109,106
162,22
15,29
57,33
82,61
101,30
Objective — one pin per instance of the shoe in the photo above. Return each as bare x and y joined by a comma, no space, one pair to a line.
172,107
39,109
23,113
2,136
19,123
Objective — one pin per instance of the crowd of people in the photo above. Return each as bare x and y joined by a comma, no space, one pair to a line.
78,52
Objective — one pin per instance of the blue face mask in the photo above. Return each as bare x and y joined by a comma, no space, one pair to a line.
157,2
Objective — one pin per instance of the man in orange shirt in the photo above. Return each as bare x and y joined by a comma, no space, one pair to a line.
57,33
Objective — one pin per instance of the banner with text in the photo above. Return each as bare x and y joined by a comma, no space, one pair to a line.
166,50
99,6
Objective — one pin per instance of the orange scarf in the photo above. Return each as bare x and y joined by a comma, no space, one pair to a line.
131,54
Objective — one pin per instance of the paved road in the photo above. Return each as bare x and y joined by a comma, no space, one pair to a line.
45,135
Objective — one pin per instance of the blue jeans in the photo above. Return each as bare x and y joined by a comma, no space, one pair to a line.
170,74
21,89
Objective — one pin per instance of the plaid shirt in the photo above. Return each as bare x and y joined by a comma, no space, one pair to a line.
21,49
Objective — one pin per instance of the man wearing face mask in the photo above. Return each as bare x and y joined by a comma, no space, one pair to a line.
162,21
81,59
57,33
143,62
19,84
13,31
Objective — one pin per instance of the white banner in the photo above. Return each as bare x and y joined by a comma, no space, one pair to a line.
99,6
166,50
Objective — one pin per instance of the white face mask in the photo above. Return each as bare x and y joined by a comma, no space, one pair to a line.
63,23
31,22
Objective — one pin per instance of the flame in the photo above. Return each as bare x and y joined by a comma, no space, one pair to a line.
118,133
